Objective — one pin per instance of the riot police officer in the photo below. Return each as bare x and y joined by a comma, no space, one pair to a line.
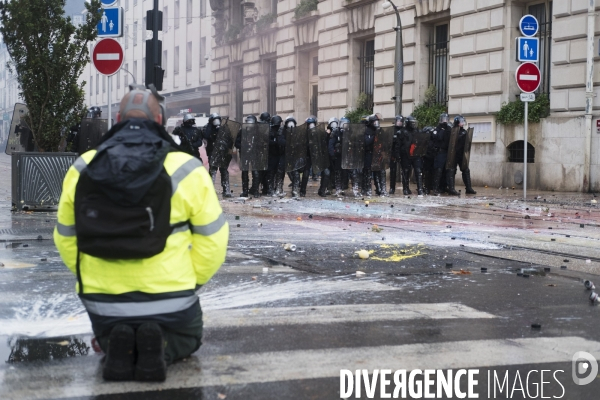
94,112
429,160
276,171
189,135
395,156
370,132
289,127
210,133
408,160
335,154
460,122
250,119
441,140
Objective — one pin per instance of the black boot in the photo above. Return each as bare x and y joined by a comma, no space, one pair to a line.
213,174
295,183
356,183
376,183
466,175
382,178
450,174
324,182
150,344
120,356
304,182
419,176
337,177
225,182
393,167
437,176
405,182
367,182
427,181
345,179
245,184
280,178
255,189
270,183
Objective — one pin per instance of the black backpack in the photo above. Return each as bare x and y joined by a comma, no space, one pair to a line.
123,211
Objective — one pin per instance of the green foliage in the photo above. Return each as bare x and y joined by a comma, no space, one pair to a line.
265,21
513,112
305,7
362,108
48,54
232,32
428,112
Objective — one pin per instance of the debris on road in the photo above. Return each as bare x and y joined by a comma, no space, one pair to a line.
589,285
289,247
362,254
461,272
376,228
360,273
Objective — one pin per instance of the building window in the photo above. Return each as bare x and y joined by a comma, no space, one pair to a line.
164,62
176,16
126,36
237,14
135,33
203,51
176,61
515,152
127,4
239,93
103,83
315,66
188,57
438,62
274,7
367,71
165,19
135,71
189,11
202,8
271,86
543,13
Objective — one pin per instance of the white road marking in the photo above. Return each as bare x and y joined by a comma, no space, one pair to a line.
238,369
338,314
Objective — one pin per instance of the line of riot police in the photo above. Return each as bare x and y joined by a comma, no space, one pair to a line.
358,153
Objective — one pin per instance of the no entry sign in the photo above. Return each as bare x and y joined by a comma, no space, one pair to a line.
528,77
107,56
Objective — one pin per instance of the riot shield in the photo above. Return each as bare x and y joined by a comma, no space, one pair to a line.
420,140
353,147
90,133
295,147
20,137
467,154
254,154
451,161
382,148
317,144
223,146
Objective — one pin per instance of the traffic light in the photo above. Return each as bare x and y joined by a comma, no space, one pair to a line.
154,71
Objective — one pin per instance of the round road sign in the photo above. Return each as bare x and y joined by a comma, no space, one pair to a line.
107,56
529,25
528,77
108,3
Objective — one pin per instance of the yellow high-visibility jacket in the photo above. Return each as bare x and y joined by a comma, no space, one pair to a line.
160,288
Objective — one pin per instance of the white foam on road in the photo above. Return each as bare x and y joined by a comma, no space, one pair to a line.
338,314
240,369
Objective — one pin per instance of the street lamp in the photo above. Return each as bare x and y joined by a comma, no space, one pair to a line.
399,59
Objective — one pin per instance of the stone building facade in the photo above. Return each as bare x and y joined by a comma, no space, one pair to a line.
306,57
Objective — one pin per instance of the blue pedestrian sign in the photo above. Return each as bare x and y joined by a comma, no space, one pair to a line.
529,25
528,49
108,3
111,22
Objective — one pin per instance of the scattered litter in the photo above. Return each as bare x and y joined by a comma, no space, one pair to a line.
485,186
367,203
299,219
552,285
461,272
289,247
237,217
360,273
43,259
265,270
238,225
221,396
25,245
259,224
310,216
565,260
547,269
254,278
588,261
1,264
39,237
525,275
362,254
553,240
527,217
375,228
392,206
448,265
589,285
563,267
581,225
257,206
483,269
519,274
594,297
536,326
412,209
593,201
63,343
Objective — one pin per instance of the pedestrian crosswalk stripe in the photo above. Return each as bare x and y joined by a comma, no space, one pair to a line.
337,314
239,369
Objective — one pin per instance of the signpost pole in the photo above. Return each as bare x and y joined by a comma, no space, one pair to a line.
525,152
110,101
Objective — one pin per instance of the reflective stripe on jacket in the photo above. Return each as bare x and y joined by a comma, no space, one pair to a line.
161,287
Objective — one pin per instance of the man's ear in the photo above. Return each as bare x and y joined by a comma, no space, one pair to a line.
118,117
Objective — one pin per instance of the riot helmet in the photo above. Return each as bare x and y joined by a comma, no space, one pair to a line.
373,120
344,123
363,119
188,120
399,121
290,122
94,112
265,117
311,122
276,121
333,123
411,122
250,119
444,118
214,119
459,120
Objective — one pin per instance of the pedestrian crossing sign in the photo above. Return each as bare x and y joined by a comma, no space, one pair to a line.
528,49
111,22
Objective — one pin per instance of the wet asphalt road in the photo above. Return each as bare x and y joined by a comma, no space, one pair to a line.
281,325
